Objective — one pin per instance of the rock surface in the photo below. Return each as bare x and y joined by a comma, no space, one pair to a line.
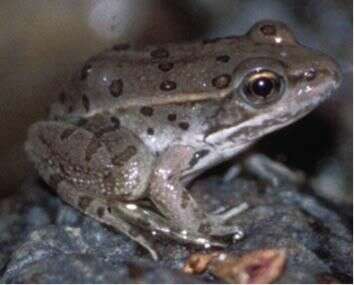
42,240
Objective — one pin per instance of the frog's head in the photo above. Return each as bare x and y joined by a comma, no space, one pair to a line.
275,83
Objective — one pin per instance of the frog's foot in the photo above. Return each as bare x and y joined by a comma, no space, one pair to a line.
159,225
103,213
217,230
221,225
272,171
233,172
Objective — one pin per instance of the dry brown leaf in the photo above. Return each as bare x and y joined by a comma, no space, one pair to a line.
198,263
262,266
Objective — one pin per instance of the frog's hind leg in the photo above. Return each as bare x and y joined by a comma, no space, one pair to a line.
103,213
87,164
128,218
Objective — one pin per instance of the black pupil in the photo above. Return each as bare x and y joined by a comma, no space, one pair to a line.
263,87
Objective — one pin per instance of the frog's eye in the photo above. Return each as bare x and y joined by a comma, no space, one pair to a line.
262,87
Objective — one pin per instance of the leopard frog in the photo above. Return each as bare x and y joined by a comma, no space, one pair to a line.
135,125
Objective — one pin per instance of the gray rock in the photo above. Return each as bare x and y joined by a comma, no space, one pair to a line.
42,240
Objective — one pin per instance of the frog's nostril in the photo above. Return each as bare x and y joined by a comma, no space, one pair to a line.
310,74
337,76
335,72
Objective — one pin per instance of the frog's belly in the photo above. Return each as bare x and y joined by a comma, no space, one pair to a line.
216,155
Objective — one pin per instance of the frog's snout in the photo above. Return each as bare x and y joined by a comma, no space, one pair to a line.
334,72
325,73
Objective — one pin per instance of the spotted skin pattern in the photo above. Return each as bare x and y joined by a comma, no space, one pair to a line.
135,125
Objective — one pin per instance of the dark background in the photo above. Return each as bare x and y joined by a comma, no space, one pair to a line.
44,42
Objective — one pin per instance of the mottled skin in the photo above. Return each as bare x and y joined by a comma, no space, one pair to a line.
135,125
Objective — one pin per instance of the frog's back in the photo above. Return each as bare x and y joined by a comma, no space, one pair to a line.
124,77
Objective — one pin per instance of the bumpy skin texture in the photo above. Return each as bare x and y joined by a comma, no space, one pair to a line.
135,125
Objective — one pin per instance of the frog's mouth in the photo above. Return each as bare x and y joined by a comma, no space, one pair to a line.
255,128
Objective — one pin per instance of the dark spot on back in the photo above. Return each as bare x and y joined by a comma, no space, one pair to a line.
168,85
268,30
159,53
84,202
70,109
109,210
120,47
165,66
172,117
67,133
147,111
124,156
184,125
221,81
86,102
92,148
130,151
85,71
116,123
223,58
150,131
116,87
107,129
100,212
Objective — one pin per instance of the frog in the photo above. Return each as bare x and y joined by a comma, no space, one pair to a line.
136,124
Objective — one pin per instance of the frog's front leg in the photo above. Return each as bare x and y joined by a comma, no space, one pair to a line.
271,171
174,201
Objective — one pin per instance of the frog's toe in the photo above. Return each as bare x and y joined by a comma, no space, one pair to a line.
227,230
238,235
196,238
152,252
272,171
211,242
225,215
